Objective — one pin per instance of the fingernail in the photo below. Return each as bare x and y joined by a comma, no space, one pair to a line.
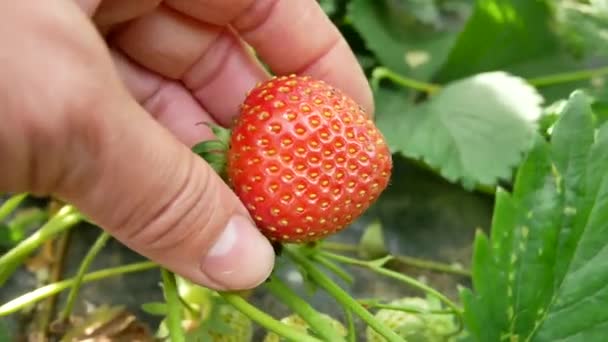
241,258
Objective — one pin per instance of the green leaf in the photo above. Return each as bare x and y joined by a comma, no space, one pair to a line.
543,275
424,11
474,130
399,41
498,34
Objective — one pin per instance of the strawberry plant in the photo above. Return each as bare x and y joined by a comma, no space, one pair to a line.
489,132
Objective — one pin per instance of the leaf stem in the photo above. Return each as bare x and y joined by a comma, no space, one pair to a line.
376,267
380,73
566,77
174,314
54,288
331,266
317,322
264,319
350,323
18,225
406,260
46,309
67,217
376,305
11,204
340,295
84,267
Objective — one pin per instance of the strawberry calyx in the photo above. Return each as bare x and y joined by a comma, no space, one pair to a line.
214,151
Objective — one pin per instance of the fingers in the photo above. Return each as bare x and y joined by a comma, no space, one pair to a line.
112,12
212,63
167,101
297,37
291,37
72,131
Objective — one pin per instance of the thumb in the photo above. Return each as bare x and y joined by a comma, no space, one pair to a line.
154,195
70,129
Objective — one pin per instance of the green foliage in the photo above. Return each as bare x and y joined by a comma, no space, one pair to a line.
393,32
415,319
583,26
501,33
542,274
461,135
472,132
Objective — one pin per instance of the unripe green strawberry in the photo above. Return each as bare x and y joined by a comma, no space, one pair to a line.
241,327
415,327
296,322
305,159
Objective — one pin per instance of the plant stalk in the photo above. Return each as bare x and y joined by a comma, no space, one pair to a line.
54,288
566,77
371,265
406,260
382,72
174,315
46,309
83,268
317,322
11,204
67,217
340,295
334,268
376,305
350,323
265,320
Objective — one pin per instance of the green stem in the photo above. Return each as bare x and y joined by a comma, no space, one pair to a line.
339,246
265,320
11,204
54,288
84,267
406,260
340,295
376,267
317,322
334,268
566,77
431,265
376,305
191,310
350,323
18,225
174,314
382,72
67,217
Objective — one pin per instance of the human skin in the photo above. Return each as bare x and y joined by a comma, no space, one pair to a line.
100,101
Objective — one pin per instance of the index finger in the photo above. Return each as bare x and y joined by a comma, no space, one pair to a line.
291,37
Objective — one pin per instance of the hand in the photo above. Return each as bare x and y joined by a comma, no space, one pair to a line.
100,102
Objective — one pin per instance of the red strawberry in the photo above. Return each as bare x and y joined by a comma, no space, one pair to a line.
305,159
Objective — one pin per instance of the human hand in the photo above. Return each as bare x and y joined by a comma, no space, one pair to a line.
105,121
